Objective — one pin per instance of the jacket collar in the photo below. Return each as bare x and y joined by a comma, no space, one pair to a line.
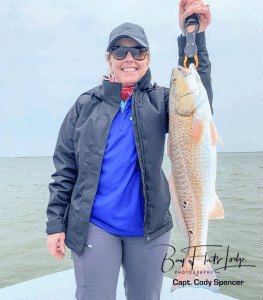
145,82
111,91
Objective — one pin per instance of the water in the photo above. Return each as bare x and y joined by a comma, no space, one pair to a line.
23,200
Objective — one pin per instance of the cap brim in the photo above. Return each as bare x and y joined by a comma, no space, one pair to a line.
123,36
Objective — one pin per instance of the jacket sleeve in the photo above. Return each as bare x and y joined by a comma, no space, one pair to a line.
65,175
204,64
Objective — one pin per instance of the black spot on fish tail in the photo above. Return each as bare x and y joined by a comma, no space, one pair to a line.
191,231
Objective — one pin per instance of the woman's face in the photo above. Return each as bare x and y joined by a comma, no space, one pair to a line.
128,71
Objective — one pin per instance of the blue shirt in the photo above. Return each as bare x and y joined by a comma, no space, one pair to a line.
118,206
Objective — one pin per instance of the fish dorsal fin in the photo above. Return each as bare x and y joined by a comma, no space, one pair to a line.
214,134
216,209
197,128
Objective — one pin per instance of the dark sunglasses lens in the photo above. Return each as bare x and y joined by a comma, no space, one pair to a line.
120,53
137,53
140,55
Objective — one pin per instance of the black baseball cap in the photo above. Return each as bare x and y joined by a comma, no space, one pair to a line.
128,30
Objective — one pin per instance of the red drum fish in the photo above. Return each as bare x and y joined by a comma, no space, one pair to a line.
192,151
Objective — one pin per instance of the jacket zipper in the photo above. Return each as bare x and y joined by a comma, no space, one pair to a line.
140,156
122,110
121,119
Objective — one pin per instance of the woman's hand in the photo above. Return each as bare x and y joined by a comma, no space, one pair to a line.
189,7
56,244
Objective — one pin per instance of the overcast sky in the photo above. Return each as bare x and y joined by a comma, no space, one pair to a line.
52,51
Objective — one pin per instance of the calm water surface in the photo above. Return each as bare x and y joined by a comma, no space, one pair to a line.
23,201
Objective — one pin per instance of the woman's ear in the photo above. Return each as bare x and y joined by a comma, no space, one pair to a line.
110,64
148,61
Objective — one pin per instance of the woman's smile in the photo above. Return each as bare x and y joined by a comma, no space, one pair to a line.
129,69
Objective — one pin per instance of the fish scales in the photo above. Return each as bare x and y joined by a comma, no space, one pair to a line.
186,168
186,175
192,151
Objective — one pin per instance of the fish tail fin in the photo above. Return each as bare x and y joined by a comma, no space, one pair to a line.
216,210
203,277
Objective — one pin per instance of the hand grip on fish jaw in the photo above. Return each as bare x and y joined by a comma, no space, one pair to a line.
190,49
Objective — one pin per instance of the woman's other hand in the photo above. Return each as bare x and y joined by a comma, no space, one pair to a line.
189,7
56,244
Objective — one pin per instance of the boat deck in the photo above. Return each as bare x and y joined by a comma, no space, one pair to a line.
62,286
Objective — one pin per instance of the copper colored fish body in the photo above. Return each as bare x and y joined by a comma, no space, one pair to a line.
192,151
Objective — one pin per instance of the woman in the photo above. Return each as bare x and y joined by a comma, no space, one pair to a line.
109,202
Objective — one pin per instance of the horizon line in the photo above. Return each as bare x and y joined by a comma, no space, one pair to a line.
164,153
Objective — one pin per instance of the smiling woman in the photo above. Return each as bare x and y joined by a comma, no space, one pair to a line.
128,67
109,202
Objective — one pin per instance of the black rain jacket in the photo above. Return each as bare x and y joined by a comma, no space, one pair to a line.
82,141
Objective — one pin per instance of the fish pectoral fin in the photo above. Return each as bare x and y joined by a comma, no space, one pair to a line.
214,135
216,210
177,206
197,128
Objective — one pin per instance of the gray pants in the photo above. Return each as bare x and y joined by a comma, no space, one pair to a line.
98,267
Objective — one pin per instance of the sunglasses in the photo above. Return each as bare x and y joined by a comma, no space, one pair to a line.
138,53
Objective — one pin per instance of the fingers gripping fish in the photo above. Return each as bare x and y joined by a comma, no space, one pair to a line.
192,151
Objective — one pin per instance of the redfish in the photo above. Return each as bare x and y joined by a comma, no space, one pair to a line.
192,151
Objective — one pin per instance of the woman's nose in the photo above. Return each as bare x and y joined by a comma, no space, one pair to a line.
129,57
